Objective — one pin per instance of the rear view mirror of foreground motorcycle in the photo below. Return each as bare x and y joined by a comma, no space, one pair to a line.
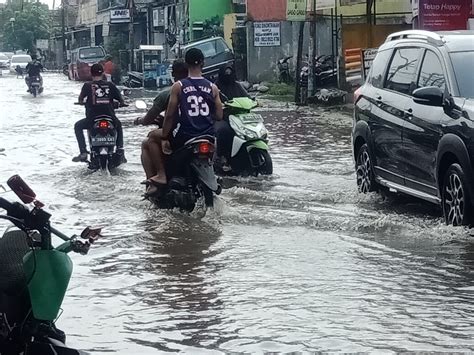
141,105
23,191
91,234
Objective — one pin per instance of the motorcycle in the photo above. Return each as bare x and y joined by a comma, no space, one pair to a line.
34,276
325,73
192,182
249,153
35,85
102,143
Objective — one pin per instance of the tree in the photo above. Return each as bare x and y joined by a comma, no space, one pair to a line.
29,24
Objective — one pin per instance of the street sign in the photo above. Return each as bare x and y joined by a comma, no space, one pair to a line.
368,56
42,43
266,34
296,10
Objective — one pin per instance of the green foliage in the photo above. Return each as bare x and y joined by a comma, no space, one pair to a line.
281,89
213,27
31,23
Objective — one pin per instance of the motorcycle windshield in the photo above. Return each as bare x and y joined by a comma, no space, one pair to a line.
49,272
242,103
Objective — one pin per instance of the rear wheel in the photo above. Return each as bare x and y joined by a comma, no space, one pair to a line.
34,91
103,161
364,171
456,201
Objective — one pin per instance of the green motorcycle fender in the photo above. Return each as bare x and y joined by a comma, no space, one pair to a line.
48,272
257,144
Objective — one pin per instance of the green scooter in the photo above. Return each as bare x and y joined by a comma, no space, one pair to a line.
34,276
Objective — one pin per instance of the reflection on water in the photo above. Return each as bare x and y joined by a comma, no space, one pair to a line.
293,262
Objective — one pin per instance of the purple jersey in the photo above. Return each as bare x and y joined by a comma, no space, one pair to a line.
197,105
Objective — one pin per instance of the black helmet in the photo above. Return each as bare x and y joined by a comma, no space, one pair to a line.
97,70
194,57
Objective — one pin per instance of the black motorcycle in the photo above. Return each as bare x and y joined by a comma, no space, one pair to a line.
103,143
325,73
35,85
34,276
191,179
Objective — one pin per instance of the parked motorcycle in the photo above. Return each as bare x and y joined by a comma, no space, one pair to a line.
34,276
103,143
249,153
324,71
35,85
192,182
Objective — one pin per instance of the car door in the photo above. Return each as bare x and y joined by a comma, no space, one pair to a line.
390,103
422,130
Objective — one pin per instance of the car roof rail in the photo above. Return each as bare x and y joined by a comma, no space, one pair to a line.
430,37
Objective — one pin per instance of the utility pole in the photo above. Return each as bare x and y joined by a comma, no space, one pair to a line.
312,51
131,35
63,30
298,62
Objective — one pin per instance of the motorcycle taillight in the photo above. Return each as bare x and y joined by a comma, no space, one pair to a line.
205,148
103,124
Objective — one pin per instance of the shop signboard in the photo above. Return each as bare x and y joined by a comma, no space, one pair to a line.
266,34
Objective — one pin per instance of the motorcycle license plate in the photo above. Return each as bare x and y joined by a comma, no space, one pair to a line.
251,118
35,84
103,141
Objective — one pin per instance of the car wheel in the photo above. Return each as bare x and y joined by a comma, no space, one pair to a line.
456,201
364,171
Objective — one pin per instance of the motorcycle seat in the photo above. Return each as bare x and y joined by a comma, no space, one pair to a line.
13,247
201,139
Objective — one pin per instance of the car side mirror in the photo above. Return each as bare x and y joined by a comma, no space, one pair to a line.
429,96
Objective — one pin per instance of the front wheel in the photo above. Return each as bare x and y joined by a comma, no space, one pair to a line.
364,170
261,161
456,201
103,161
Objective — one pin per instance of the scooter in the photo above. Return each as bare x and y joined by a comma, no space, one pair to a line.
103,143
34,276
192,182
35,85
250,152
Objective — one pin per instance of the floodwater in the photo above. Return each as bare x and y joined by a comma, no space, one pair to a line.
296,262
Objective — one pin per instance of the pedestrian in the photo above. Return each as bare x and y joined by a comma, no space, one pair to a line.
108,68
304,78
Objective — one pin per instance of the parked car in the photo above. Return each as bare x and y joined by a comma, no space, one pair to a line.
20,60
4,61
413,128
81,61
216,55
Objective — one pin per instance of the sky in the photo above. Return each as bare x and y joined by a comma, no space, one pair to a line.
49,2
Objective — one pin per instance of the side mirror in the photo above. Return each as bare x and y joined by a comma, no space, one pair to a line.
429,96
21,189
141,105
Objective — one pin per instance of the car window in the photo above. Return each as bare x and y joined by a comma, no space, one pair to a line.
431,73
377,70
207,48
401,74
91,53
221,47
21,59
462,64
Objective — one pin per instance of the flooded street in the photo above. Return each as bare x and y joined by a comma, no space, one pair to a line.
299,261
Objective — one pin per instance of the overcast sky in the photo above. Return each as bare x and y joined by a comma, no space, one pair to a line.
49,2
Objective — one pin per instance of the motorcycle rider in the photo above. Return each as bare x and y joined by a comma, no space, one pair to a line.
179,72
230,88
99,95
33,69
193,106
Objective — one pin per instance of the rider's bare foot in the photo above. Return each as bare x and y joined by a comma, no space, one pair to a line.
158,180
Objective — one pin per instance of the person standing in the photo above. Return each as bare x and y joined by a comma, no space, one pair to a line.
108,68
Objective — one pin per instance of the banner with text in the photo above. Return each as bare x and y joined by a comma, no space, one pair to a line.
296,10
266,34
444,15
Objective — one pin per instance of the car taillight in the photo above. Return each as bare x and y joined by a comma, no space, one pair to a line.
357,94
103,124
